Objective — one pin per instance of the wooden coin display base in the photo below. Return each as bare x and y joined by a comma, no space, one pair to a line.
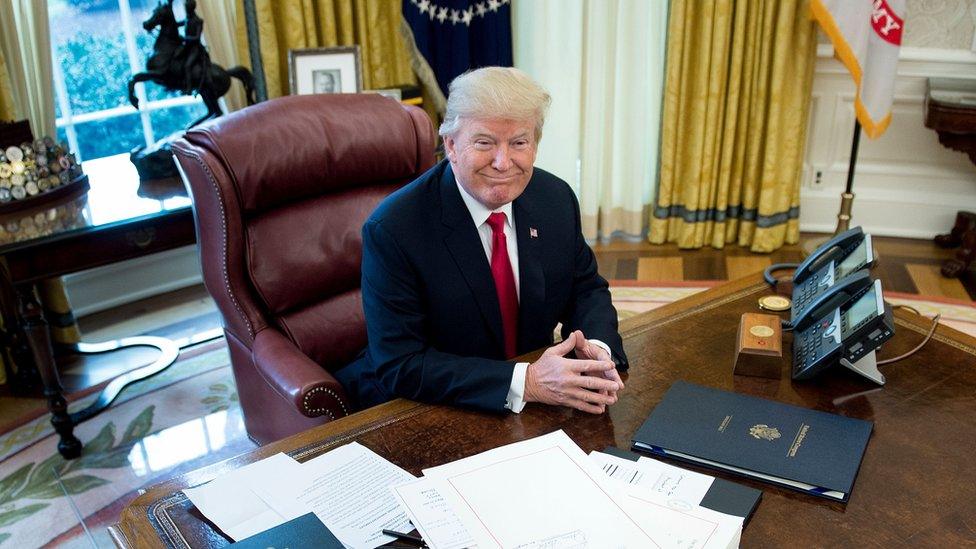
759,346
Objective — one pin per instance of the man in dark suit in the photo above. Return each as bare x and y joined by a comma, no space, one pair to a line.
476,262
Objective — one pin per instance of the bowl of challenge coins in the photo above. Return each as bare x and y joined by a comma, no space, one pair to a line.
37,172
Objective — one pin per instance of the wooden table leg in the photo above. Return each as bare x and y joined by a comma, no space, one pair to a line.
39,339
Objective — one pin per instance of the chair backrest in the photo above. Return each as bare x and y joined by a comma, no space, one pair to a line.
281,191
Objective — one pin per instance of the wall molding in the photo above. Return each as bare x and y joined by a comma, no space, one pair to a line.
906,184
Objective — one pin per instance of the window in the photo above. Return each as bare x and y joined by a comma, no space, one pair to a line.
97,45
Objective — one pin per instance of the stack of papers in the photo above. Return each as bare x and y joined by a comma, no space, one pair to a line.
540,493
547,493
348,489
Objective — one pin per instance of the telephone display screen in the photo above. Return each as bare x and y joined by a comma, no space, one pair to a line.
854,261
862,309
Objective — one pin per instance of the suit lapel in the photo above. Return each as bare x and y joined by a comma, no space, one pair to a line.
464,244
532,281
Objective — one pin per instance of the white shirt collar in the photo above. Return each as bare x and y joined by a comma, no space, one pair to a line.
479,213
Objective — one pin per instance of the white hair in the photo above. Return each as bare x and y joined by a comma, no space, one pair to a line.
495,92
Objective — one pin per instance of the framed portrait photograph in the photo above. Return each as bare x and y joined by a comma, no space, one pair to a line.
325,70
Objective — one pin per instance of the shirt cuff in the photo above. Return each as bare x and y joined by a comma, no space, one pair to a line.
516,391
603,346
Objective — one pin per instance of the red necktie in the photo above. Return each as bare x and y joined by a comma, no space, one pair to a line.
501,271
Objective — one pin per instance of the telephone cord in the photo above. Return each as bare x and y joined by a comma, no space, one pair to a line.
935,324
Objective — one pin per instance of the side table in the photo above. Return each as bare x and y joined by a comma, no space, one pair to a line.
114,221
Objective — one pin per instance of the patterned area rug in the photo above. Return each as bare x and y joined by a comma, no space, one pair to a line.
180,420
188,417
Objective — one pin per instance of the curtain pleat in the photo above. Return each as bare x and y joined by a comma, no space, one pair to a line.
219,27
6,95
736,99
26,45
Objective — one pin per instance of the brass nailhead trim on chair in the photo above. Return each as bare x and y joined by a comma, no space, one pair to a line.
325,411
223,228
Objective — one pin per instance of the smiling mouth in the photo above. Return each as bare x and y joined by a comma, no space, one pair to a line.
503,177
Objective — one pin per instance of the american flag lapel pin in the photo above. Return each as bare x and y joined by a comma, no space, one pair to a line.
533,232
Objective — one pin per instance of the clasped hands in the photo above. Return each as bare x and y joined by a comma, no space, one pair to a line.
589,382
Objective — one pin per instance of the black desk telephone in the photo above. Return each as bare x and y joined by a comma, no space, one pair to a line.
847,335
831,264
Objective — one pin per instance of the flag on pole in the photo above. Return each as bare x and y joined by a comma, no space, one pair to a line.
457,35
866,35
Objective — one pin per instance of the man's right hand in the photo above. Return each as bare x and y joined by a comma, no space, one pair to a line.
554,379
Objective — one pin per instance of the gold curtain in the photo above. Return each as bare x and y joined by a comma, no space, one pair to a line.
291,24
736,99
6,96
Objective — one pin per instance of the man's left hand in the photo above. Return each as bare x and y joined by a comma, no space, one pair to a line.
586,350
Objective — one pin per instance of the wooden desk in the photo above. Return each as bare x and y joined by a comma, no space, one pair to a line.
915,486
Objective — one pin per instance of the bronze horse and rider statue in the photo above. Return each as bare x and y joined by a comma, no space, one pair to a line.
181,63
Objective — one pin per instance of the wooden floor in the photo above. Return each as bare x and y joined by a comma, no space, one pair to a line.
904,265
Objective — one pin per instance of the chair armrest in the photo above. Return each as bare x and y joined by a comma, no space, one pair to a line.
294,376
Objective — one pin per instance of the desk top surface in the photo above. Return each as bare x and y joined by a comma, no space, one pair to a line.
116,197
915,486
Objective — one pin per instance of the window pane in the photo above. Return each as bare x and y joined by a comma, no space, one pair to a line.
111,136
89,44
63,137
167,121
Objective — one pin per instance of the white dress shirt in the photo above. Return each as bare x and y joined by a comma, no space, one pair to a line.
479,214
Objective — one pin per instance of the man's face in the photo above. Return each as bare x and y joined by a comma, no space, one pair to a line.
492,158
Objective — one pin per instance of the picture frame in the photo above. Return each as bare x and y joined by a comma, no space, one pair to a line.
325,70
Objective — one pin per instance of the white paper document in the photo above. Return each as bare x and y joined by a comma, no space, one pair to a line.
349,490
676,525
672,482
233,501
539,493
546,493
432,516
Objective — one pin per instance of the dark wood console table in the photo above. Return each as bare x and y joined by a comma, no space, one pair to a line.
119,218
914,489
950,110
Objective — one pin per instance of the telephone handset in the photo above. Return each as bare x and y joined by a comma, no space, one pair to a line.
829,299
847,335
839,257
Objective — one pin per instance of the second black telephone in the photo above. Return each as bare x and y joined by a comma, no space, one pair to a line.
847,335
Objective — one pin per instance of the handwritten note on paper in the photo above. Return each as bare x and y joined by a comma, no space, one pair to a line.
661,478
676,525
349,490
429,512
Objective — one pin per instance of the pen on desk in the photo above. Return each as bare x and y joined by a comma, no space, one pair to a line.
403,536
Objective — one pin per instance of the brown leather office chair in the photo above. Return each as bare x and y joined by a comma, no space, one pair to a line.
280,193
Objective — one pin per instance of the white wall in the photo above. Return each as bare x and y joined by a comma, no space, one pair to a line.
906,183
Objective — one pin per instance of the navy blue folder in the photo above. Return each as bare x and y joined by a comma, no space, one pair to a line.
814,452
304,532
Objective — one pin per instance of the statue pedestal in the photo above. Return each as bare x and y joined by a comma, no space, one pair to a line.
156,161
